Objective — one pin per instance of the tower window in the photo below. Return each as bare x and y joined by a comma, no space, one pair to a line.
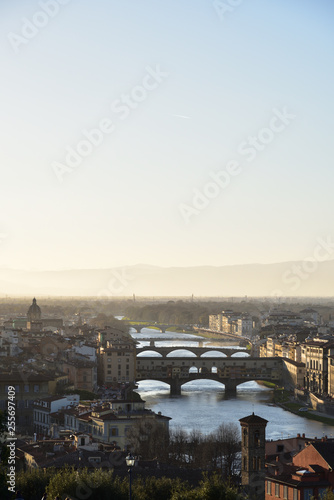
256,438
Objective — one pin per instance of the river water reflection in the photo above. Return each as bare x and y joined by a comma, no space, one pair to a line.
203,406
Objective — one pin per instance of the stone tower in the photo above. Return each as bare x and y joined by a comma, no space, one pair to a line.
253,434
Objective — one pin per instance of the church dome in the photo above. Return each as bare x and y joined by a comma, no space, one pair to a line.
34,312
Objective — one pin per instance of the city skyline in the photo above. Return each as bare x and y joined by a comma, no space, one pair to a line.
165,135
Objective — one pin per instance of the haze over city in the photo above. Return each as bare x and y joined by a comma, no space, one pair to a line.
167,134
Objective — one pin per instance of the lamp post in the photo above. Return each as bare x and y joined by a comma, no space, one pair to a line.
130,461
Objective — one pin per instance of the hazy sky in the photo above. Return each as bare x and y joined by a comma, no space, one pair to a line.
215,141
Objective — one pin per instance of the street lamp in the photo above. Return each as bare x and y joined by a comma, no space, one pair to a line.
130,461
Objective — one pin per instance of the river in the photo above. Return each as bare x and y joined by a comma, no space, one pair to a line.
203,406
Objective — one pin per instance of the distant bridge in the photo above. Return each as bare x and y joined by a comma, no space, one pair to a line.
231,371
225,334
158,327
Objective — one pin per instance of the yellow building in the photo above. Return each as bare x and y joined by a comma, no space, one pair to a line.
117,357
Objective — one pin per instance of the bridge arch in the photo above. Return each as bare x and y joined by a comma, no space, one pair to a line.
160,384
213,353
151,351
240,354
212,381
179,352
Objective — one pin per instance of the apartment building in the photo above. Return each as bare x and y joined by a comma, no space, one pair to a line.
44,407
232,322
111,422
315,356
117,357
309,475
28,386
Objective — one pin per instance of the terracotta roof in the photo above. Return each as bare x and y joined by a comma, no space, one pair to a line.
253,419
326,450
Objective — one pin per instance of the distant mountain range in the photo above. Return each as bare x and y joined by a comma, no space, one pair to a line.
283,279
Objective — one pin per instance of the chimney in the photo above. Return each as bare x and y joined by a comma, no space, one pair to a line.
303,435
298,435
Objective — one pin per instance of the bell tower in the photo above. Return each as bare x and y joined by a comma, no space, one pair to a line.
253,435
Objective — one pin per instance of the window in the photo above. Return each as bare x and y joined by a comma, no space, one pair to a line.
295,494
276,490
285,492
268,487
322,492
26,388
308,493
113,431
36,388
256,438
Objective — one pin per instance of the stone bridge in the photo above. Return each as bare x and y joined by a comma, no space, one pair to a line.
177,371
197,351
159,327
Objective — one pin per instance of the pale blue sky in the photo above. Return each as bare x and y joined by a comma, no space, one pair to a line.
123,204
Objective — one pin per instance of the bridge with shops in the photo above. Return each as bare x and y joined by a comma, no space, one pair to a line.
196,351
230,371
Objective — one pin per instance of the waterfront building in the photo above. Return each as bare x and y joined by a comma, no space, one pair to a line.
293,374
331,376
315,356
231,322
117,357
215,322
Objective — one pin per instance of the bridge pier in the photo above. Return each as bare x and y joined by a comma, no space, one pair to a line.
230,388
175,387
